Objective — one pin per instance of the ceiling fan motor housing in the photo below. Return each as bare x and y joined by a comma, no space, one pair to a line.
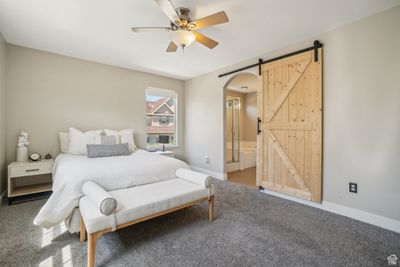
183,13
185,23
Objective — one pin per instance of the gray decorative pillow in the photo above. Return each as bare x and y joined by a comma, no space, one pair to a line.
108,140
105,140
99,151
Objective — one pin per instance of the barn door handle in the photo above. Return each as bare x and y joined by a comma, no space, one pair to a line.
258,126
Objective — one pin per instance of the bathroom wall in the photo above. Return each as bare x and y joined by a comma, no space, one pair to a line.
250,117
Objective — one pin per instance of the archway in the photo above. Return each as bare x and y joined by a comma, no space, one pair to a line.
240,122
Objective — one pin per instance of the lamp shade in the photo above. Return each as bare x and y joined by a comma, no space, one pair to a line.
163,139
183,37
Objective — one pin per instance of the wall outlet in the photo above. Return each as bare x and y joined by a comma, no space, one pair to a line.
353,188
206,159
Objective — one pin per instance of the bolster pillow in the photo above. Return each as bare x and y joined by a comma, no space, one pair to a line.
98,151
194,177
100,197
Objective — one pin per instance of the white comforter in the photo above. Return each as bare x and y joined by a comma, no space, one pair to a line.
71,171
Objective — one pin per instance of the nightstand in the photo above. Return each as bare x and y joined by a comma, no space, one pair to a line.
26,178
165,153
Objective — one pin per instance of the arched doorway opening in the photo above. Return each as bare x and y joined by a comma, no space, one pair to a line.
240,127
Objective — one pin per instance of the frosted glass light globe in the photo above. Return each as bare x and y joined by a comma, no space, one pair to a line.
183,37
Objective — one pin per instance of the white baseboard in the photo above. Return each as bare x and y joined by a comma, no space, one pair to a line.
374,219
218,175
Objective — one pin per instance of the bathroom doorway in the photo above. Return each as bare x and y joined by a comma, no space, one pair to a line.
232,129
241,128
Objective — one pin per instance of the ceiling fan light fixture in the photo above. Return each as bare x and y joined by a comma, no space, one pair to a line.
183,29
183,37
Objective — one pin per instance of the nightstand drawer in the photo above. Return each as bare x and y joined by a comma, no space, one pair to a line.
36,169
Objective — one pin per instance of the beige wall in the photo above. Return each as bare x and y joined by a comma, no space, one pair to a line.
361,114
250,117
47,93
3,175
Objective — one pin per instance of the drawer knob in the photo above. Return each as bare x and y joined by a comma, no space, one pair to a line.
32,170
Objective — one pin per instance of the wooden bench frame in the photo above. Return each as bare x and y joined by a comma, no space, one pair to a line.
92,238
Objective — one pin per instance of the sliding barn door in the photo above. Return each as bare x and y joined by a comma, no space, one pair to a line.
289,156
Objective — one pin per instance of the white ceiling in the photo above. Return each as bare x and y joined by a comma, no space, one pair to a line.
244,79
99,30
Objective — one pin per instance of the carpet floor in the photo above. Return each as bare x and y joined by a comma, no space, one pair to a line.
251,229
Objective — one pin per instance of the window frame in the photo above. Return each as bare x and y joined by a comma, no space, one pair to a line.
176,119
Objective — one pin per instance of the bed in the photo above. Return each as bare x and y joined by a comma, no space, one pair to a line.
112,173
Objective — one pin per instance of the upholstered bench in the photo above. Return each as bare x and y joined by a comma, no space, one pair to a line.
103,212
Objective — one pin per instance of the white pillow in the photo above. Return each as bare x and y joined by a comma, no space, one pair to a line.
123,136
79,140
64,141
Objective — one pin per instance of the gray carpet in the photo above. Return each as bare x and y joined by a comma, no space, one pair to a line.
251,229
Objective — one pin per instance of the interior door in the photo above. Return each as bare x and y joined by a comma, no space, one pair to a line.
289,156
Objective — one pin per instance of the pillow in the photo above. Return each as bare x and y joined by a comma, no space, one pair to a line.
78,140
123,136
194,177
98,151
100,197
64,141
105,140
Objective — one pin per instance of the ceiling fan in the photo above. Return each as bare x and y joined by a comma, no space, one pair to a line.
183,29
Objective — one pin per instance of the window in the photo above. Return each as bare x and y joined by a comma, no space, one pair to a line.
164,121
161,116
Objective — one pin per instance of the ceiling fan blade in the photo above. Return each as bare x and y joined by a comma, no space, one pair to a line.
217,18
204,40
149,29
172,47
169,10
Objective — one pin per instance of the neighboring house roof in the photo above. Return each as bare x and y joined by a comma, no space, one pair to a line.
161,129
159,107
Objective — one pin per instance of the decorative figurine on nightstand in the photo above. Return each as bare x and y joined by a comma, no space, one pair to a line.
22,149
35,157
48,156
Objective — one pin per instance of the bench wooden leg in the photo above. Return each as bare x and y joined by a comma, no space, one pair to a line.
211,208
82,230
91,249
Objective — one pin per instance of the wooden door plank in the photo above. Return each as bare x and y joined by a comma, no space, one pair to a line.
292,169
259,157
271,159
277,93
284,119
292,83
307,118
302,126
287,190
299,163
271,101
291,153
265,105
316,154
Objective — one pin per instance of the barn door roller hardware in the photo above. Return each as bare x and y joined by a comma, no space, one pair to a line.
315,47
